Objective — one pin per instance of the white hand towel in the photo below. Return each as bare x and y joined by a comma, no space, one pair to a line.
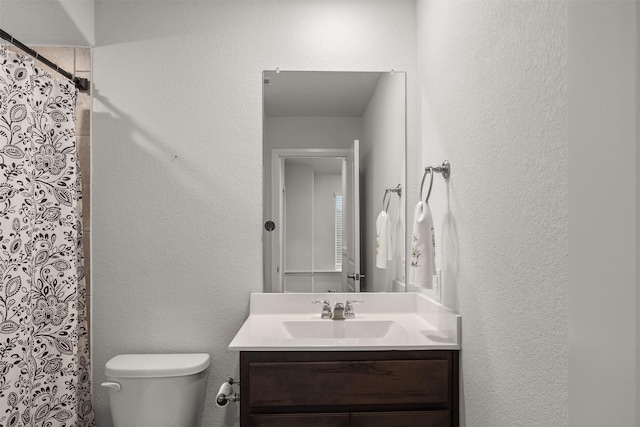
423,245
383,242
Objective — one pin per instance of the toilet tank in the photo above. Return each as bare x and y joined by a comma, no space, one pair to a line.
157,390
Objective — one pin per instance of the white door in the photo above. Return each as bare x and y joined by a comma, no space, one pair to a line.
277,213
351,276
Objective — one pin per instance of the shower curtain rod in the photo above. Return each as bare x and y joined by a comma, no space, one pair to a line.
81,83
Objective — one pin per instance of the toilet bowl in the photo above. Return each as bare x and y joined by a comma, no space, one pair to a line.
157,390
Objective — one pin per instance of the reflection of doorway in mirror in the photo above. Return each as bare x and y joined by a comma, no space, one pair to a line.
304,185
304,208
312,224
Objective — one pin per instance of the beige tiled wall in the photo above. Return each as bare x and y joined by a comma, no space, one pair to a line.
82,68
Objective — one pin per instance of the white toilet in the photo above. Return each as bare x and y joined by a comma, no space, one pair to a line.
157,390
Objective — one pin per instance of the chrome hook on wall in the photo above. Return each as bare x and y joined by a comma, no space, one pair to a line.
387,192
445,170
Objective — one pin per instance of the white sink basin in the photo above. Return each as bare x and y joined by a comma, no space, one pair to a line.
349,328
383,321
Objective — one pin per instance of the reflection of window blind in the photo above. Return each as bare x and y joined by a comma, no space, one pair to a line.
338,232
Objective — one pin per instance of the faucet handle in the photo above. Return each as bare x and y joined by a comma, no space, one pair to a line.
348,309
326,308
321,301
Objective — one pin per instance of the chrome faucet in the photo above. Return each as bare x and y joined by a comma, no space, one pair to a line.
338,311
344,311
326,309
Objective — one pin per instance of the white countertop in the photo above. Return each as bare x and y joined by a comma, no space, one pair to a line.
383,321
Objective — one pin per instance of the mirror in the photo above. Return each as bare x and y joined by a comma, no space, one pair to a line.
334,154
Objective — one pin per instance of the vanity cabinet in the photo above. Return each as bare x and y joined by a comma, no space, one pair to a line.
349,388
300,420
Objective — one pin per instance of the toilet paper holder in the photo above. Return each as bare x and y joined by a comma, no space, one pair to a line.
226,394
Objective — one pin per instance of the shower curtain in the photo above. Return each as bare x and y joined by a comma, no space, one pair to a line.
44,348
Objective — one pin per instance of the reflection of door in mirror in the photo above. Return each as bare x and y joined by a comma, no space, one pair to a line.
316,212
351,278
309,116
312,224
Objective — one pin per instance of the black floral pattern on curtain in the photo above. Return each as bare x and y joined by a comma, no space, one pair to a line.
44,347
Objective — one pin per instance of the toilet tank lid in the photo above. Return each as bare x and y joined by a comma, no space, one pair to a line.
156,365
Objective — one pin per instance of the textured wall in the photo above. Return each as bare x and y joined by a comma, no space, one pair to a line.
49,23
603,44
492,82
381,151
177,159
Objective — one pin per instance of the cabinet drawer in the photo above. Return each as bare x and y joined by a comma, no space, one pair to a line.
344,383
299,420
400,419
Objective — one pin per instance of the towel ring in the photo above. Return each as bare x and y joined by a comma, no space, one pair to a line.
445,170
387,192
428,170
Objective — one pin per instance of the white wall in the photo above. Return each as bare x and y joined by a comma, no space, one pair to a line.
310,132
178,159
298,235
326,186
49,23
492,82
499,75
382,150
298,210
310,228
603,195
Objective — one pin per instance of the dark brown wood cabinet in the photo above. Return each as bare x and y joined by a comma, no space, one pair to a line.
301,420
349,389
401,419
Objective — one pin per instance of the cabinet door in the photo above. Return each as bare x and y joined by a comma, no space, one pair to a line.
299,420
348,382
401,419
